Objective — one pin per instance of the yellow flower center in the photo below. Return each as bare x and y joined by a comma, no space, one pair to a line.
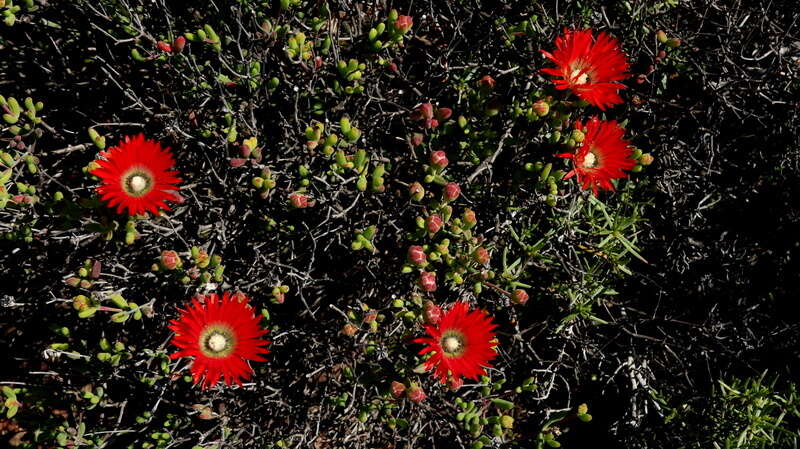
589,161
451,344
138,183
582,79
217,342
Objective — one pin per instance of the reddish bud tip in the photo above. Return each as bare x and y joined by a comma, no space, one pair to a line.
487,82
415,394
403,24
427,281
163,46
417,139
416,191
178,44
451,191
439,159
541,108
433,223
519,296
443,113
298,201
397,389
432,313
481,255
170,260
455,383
417,256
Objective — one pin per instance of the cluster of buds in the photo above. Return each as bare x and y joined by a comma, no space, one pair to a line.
412,392
176,47
205,268
660,56
264,183
278,294
248,150
299,48
120,308
351,71
363,239
430,116
86,275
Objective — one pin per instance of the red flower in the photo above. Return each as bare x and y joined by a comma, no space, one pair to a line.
589,67
602,156
461,343
136,176
222,334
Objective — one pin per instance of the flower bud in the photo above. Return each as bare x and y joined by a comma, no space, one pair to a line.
416,139
298,201
423,112
427,281
433,223
519,296
415,394
416,191
178,44
443,113
416,256
646,159
170,260
397,389
431,313
349,330
469,219
481,255
237,162
370,316
439,159
403,24
455,383
451,191
673,43
163,46
541,108
661,36
487,82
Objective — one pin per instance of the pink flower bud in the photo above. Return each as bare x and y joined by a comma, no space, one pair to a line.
237,162
415,394
427,281
469,218
416,191
541,108
393,67
178,44
451,191
519,296
416,139
455,383
280,298
349,330
403,24
432,313
163,46
481,256
487,82
370,316
433,223
298,200
170,260
432,123
416,256
439,159
443,113
317,62
424,111
398,389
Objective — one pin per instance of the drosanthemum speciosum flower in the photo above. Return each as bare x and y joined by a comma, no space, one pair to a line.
461,342
602,156
222,334
589,67
136,177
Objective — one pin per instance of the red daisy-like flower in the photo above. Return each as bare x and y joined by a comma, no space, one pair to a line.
590,67
222,334
602,156
136,176
461,342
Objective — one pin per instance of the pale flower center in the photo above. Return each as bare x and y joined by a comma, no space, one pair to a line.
451,344
582,79
589,160
138,183
217,342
